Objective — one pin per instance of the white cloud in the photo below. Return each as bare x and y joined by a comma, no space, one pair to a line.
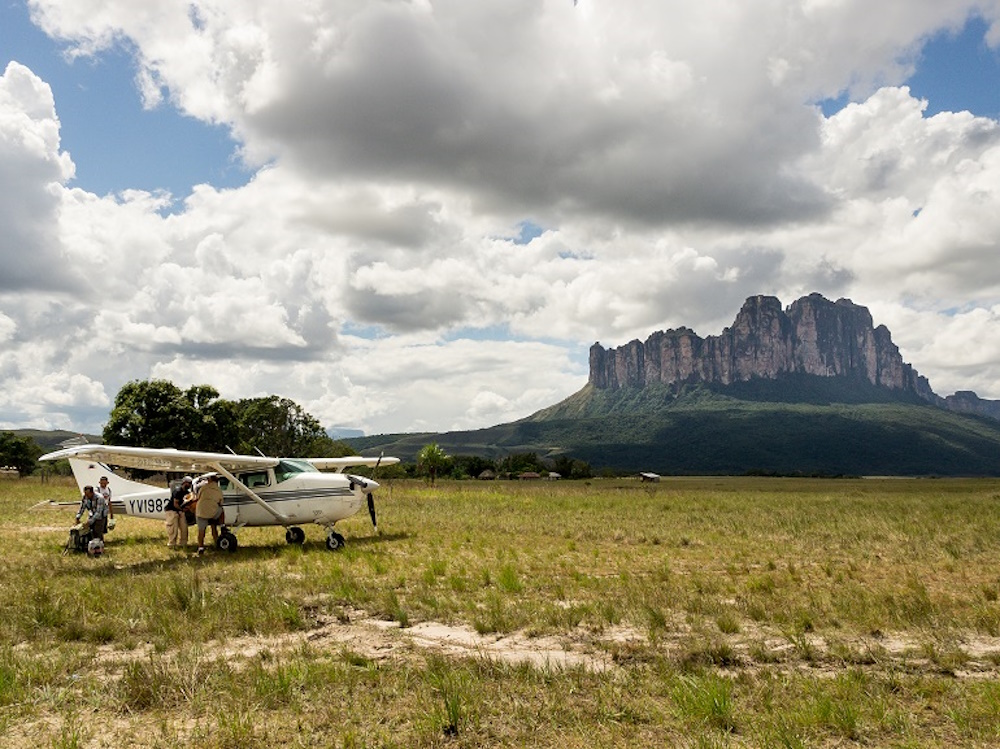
7,328
672,156
31,170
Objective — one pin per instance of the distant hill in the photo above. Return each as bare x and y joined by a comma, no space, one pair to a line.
811,389
52,439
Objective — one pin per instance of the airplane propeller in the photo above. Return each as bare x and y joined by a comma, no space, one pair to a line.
371,499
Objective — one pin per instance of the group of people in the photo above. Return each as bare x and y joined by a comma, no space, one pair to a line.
204,500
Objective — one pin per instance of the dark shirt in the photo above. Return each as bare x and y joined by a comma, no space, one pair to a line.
177,497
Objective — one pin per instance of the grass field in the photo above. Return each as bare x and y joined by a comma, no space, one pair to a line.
695,612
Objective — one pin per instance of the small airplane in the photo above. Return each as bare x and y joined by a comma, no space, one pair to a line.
258,490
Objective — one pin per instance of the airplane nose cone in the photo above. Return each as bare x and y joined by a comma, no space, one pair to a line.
364,484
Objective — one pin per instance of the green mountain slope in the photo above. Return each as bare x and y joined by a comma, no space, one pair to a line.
804,425
53,439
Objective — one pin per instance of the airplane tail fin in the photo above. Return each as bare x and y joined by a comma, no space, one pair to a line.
89,472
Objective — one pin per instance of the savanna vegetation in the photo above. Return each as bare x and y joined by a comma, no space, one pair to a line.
743,612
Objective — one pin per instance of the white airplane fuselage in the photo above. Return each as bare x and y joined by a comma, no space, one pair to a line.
302,496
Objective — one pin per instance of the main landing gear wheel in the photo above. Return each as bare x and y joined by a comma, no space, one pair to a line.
295,535
335,542
227,542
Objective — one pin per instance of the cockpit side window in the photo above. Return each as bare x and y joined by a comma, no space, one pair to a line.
288,468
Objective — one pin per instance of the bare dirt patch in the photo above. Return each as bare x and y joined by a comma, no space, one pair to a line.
963,656
381,640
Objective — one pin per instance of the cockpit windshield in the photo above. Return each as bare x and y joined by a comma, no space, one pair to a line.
288,467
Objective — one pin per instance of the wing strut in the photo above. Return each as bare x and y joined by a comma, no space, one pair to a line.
250,493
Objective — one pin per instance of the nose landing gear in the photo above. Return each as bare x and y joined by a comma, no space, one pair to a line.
334,541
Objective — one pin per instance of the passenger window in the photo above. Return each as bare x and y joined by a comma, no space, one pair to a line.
254,480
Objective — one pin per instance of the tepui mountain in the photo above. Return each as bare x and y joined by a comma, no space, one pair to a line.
814,388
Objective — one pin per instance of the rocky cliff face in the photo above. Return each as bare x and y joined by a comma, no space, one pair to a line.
967,402
813,336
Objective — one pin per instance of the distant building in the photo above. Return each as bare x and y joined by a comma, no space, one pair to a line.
529,476
486,475
653,478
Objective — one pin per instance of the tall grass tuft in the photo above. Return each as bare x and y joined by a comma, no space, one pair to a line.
237,729
508,579
394,609
69,738
163,682
706,699
187,594
451,685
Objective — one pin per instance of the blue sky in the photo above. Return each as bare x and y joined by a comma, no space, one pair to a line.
115,143
459,199
959,71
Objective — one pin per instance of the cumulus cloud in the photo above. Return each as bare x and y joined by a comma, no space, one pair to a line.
672,159
7,328
31,168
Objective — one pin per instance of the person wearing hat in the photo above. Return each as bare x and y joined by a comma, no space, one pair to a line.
177,527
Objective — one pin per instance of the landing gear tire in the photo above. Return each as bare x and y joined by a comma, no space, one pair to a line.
227,542
295,535
335,542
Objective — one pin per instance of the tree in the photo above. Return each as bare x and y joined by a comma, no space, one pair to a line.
150,413
570,468
432,460
520,463
470,466
19,453
157,413
279,426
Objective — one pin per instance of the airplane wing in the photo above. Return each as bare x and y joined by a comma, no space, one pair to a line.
163,459
339,464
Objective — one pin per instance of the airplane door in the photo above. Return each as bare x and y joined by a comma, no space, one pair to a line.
241,509
232,502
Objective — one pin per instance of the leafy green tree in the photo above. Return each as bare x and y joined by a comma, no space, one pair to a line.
470,466
19,453
150,413
521,462
570,468
279,426
431,460
217,425
157,413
